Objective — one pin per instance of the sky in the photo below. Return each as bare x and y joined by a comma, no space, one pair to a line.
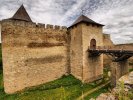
116,15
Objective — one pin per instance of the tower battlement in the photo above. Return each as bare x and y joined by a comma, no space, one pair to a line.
33,25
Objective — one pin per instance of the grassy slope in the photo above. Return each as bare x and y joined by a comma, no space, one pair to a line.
65,88
97,93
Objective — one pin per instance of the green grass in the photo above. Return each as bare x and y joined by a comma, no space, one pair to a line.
65,88
130,70
97,93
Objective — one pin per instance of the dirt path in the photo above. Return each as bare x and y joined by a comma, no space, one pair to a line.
91,91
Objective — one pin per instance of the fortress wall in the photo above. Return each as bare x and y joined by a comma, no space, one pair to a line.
92,66
125,46
33,54
128,47
107,42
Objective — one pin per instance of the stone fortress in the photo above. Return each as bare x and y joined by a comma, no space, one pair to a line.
34,54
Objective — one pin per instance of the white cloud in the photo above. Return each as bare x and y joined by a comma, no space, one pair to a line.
117,15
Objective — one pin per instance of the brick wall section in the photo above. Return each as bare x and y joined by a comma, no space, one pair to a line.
32,54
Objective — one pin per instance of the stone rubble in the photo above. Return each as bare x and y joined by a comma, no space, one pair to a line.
128,85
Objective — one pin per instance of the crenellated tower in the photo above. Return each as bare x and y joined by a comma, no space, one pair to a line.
85,33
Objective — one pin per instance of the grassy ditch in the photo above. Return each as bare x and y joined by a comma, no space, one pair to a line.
65,88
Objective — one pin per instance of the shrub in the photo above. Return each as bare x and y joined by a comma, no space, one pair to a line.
122,93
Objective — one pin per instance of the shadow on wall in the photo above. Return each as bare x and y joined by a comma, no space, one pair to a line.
36,45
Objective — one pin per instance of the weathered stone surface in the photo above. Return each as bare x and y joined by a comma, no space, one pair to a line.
83,66
106,96
76,52
131,77
118,69
25,65
127,80
92,66
107,42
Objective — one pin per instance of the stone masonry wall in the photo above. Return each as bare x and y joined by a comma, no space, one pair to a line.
107,42
76,54
128,47
82,66
92,66
32,54
118,69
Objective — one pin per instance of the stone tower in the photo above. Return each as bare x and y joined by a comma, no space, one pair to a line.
85,33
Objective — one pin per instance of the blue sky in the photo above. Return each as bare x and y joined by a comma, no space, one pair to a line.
116,15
